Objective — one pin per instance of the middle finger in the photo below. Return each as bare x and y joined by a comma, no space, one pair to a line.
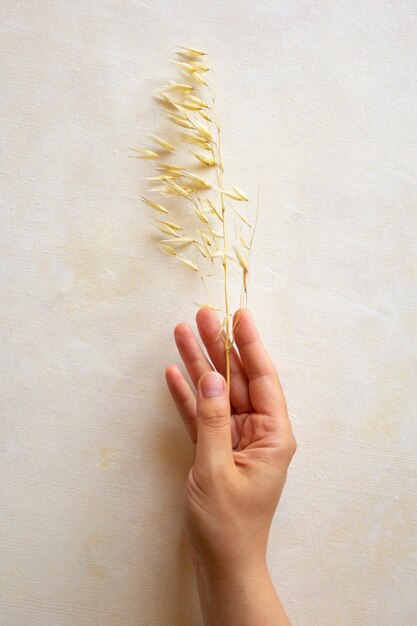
191,353
208,327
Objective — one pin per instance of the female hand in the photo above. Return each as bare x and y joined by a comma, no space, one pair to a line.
242,449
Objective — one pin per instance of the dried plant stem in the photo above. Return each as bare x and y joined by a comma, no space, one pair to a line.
227,342
220,170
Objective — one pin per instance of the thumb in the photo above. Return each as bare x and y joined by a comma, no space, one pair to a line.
214,437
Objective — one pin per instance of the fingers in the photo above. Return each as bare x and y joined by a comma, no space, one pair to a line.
208,327
184,399
191,353
214,438
264,387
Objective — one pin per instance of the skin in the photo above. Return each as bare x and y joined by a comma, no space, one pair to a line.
242,449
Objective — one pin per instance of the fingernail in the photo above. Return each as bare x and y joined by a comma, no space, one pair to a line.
212,385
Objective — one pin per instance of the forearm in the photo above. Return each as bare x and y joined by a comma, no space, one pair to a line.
244,598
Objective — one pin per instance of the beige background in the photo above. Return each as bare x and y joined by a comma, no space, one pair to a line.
318,103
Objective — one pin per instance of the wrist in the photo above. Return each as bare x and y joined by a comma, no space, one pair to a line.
229,560
239,595
231,572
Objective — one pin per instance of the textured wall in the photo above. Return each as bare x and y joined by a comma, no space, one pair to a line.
318,103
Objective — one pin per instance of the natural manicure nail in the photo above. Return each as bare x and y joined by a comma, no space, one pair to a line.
212,385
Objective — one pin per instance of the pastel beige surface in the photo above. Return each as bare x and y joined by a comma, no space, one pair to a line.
317,103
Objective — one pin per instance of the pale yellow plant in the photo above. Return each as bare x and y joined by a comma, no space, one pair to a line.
197,181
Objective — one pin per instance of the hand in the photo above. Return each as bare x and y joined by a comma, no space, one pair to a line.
242,448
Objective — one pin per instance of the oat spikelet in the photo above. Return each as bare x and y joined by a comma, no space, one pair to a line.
179,241
200,68
197,182
241,259
180,121
202,130
187,67
201,216
167,230
235,194
206,160
162,143
196,140
205,116
177,190
166,249
192,52
154,205
172,225
244,242
198,78
181,87
213,209
240,195
143,153
201,250
187,262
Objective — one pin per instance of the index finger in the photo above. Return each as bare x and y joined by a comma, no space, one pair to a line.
264,386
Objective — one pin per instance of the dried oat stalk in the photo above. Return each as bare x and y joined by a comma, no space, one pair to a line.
217,231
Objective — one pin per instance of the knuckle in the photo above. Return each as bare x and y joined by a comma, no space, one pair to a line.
212,477
291,446
288,447
214,417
